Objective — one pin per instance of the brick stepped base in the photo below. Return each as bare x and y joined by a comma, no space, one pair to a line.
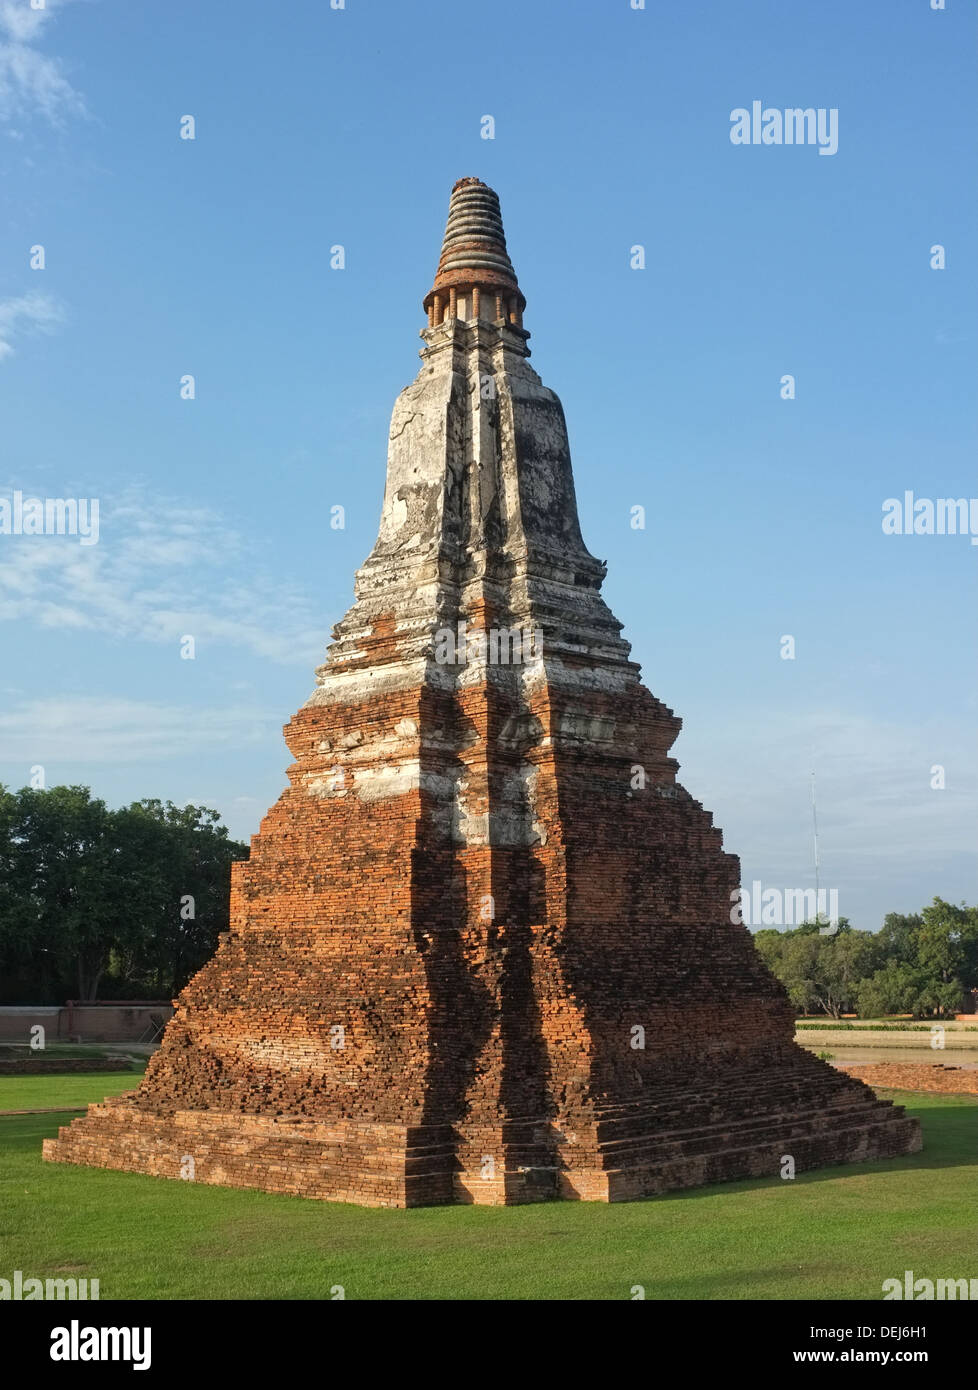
372,1165
740,1130
842,1134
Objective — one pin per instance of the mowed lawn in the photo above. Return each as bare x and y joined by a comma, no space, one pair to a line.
837,1233
71,1088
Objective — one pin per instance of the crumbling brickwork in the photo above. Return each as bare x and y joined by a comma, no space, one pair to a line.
474,953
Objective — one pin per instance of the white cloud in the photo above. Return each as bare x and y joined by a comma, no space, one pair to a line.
20,21
161,570
31,82
92,729
30,313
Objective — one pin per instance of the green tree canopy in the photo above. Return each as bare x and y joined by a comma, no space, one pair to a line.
130,901
925,964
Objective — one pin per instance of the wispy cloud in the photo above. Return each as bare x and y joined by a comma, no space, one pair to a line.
161,570
877,812
30,313
31,82
94,729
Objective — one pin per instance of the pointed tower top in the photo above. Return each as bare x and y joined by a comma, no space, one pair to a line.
475,267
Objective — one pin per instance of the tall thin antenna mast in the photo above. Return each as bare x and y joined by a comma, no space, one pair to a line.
815,842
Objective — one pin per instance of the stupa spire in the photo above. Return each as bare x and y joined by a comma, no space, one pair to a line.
476,952
480,513
475,277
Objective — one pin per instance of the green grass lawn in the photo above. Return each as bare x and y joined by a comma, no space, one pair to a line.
837,1233
73,1088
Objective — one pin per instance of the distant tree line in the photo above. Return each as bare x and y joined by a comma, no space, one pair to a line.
128,904
924,964
97,903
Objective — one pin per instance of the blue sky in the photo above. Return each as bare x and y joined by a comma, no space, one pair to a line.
317,127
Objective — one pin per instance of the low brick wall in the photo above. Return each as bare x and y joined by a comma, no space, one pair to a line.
869,1037
56,1066
944,1080
87,1022
16,1022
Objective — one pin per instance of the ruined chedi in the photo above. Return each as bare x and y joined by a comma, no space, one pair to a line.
475,956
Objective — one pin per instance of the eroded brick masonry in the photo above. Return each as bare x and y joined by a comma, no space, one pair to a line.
476,953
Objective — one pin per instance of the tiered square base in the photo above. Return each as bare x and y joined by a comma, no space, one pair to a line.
680,1140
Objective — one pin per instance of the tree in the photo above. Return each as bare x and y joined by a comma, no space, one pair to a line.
848,958
821,972
893,989
898,936
799,970
59,872
134,897
923,963
770,943
186,899
931,963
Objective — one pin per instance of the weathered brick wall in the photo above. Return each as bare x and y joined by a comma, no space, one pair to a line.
487,989
487,992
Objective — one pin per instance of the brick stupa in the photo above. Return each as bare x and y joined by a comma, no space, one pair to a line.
484,888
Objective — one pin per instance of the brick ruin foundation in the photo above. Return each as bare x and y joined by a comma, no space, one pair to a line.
484,888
